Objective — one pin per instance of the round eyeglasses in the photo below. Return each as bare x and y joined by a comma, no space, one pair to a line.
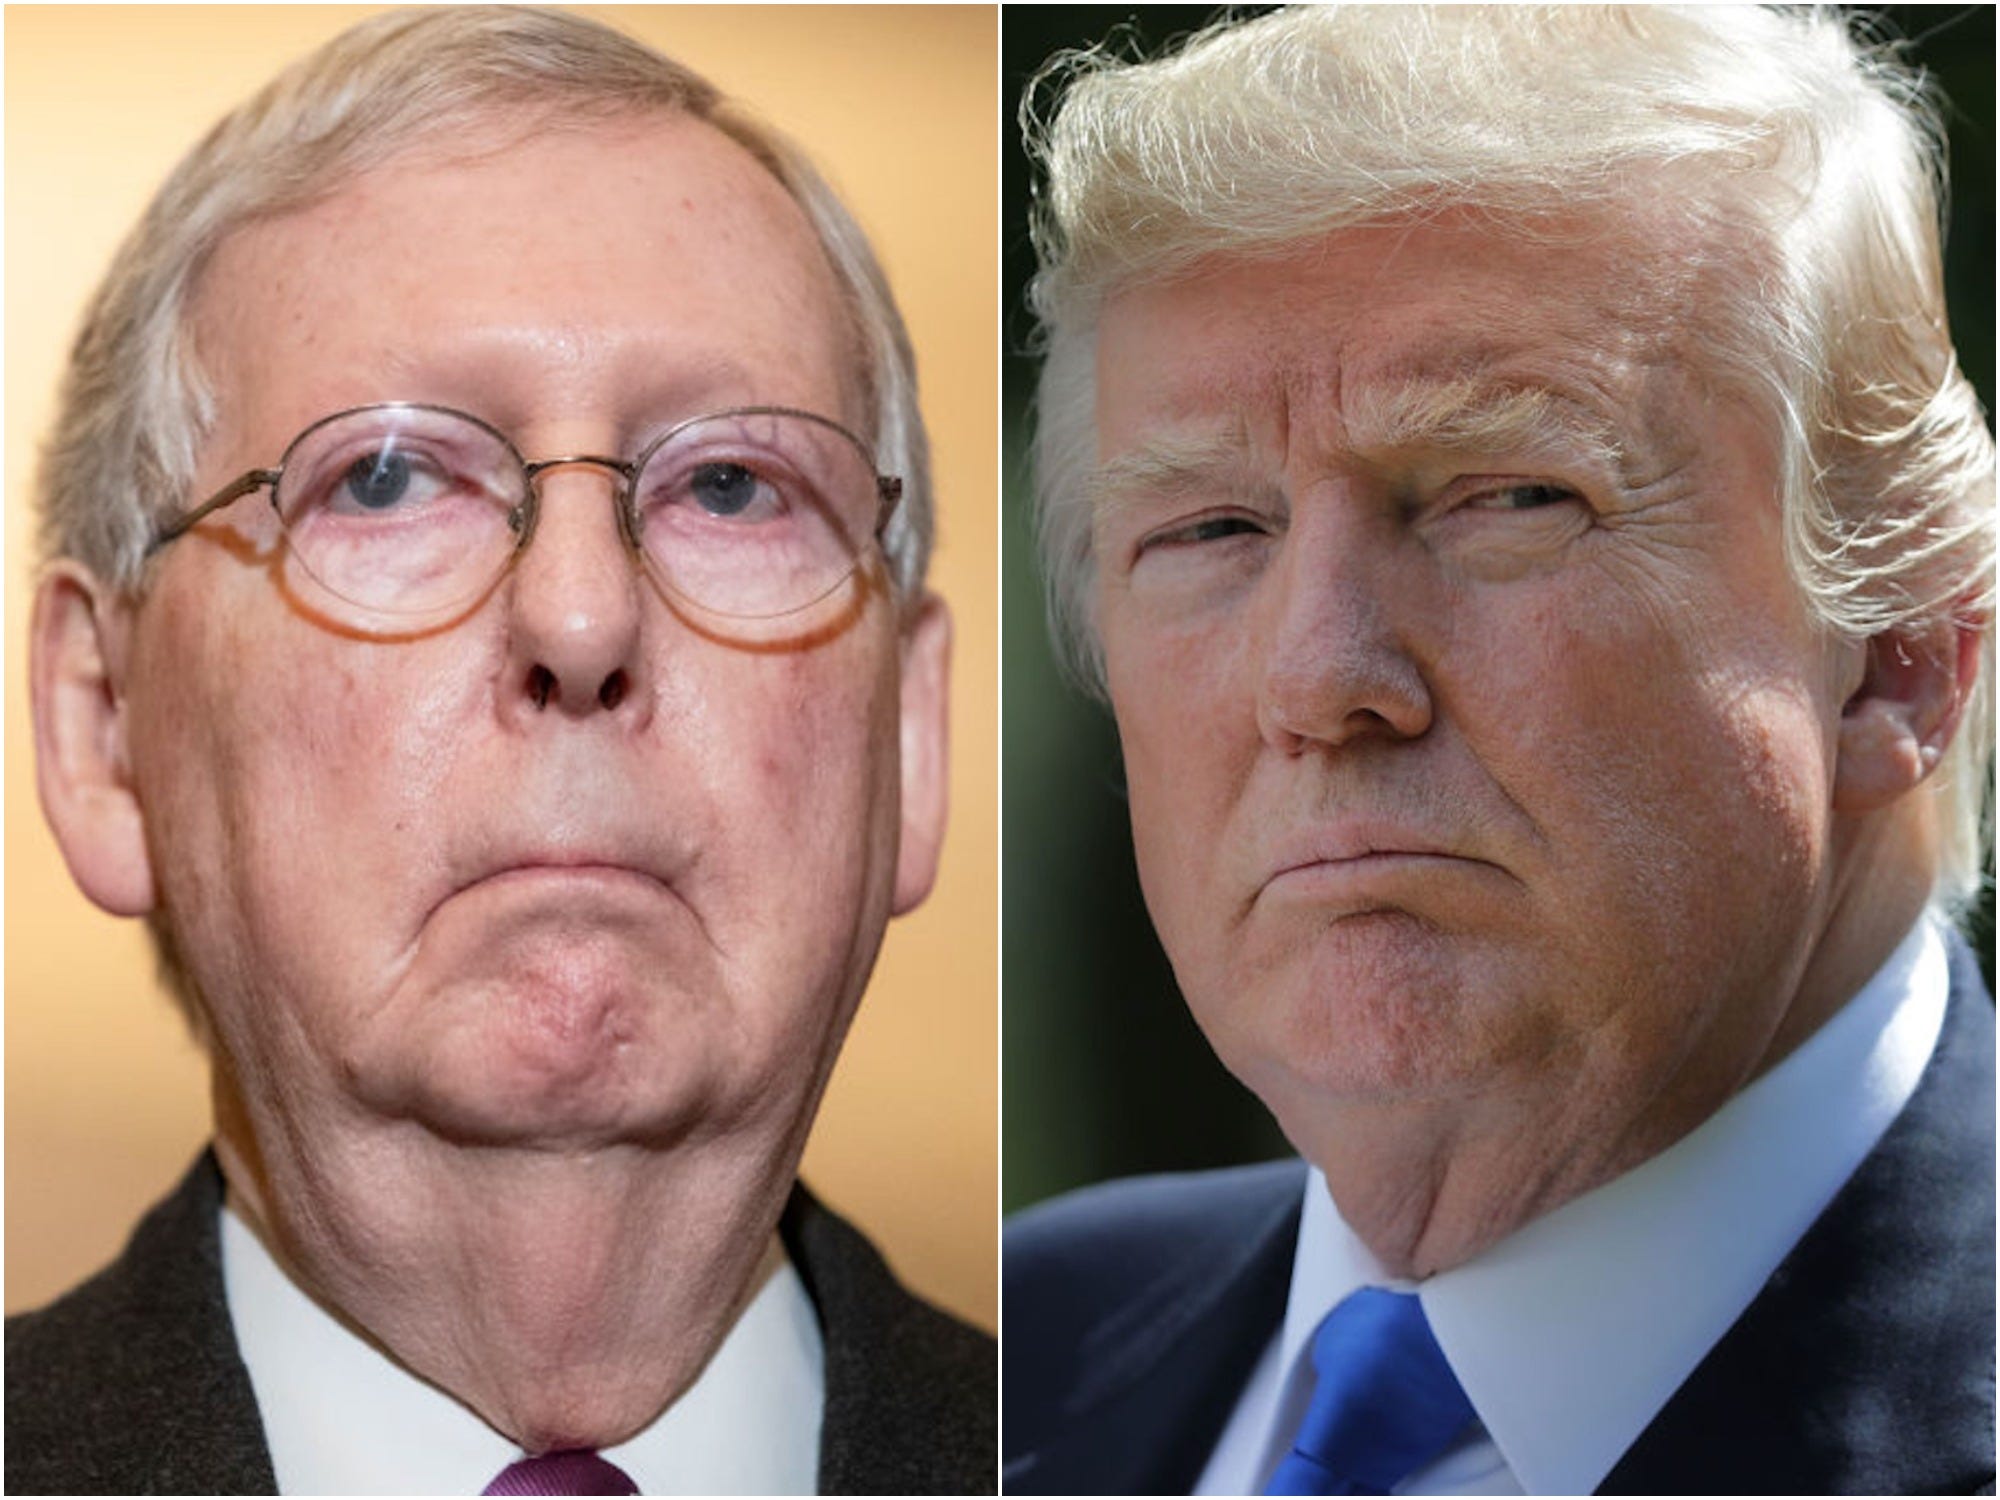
405,512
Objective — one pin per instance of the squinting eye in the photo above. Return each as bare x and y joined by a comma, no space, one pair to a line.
1215,529
1522,497
1205,529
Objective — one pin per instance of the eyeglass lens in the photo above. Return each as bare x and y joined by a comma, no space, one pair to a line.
406,511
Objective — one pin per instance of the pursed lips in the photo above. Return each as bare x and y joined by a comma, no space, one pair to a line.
1349,857
582,867
574,864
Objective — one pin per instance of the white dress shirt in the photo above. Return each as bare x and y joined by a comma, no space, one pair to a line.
1571,1334
342,1418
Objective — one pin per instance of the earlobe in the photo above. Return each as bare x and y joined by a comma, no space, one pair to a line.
1899,721
926,685
82,770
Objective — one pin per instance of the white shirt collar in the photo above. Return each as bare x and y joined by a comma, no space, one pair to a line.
1571,1334
341,1417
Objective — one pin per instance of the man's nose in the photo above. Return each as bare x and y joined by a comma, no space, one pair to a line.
576,600
1335,663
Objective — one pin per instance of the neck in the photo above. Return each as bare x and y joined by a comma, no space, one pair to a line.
566,1297
1430,1184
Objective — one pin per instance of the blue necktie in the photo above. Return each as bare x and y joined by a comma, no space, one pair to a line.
1384,1401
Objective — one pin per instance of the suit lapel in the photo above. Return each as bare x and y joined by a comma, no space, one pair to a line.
910,1392
1865,1366
1164,1370
132,1382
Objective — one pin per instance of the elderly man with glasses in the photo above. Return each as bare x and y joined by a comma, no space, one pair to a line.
485,635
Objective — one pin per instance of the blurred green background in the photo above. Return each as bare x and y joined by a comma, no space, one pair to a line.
1105,1074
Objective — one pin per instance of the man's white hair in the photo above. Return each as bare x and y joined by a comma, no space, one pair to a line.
135,407
1810,162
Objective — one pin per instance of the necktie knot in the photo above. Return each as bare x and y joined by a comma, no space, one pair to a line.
1384,1400
574,1471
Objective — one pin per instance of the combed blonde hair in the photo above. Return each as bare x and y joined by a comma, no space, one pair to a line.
134,407
1818,153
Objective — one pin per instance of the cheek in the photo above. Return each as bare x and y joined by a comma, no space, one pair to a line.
282,772
1675,752
1187,727
798,756
801,742
353,744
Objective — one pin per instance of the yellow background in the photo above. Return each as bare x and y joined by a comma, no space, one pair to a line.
105,1095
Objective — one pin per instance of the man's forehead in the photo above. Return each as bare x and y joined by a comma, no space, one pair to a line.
650,252
1476,285
619,172
1381,337
1454,397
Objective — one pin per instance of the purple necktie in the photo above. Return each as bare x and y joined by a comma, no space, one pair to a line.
574,1471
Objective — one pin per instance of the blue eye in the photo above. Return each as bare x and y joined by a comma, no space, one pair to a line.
724,489
377,481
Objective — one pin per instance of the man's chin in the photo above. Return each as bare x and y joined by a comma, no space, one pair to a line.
571,1029
1379,1009
519,1076
529,1114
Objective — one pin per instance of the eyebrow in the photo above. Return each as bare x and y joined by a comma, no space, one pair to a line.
1171,465
1480,416
1534,421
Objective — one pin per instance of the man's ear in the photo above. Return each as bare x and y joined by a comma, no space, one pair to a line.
926,648
1897,724
76,685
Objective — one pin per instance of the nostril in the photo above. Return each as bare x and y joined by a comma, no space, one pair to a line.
544,688
541,683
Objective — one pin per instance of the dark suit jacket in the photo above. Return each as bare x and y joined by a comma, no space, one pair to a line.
131,1384
1135,1312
